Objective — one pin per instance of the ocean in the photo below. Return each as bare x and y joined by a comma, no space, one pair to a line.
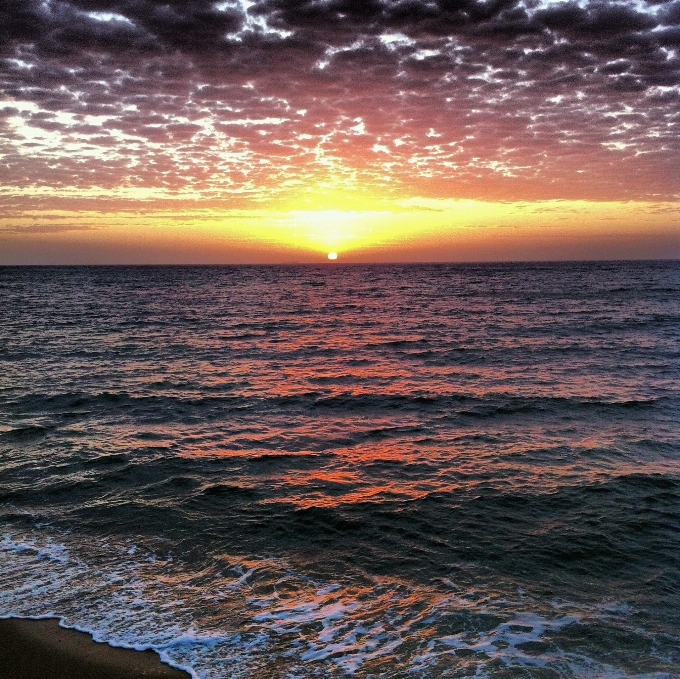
328,471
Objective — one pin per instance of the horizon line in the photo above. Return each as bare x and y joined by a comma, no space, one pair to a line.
335,264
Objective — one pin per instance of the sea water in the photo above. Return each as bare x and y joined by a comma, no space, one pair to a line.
369,471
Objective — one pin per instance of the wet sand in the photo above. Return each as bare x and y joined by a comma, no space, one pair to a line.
40,649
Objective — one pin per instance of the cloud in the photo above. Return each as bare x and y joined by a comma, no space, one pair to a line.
528,99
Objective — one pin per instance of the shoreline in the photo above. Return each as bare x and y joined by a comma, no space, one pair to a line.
41,649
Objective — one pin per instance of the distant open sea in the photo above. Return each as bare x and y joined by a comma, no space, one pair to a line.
378,471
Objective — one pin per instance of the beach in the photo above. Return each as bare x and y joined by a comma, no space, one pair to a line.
41,649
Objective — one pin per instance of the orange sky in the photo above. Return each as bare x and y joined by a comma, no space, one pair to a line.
409,230
277,131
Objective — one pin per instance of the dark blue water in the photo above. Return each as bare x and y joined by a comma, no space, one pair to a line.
378,471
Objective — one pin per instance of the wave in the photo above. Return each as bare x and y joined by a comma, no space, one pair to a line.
39,402
235,615
26,433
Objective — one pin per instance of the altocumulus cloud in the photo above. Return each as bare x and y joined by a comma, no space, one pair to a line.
496,99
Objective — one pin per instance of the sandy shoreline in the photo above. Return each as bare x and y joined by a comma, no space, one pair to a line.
40,649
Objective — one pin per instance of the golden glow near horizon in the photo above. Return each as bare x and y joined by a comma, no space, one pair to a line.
440,229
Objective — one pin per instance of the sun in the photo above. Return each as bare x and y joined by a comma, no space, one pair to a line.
332,255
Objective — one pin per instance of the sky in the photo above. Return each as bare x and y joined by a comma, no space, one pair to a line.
256,131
